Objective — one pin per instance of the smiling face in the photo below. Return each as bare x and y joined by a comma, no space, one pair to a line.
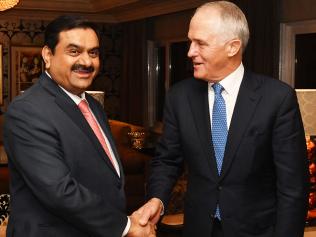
75,62
213,55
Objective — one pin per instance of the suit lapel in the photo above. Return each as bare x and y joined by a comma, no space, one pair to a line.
198,101
72,110
244,110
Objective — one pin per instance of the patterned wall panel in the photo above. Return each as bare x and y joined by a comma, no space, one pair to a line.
108,79
307,101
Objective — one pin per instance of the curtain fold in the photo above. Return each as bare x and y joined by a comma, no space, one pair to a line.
133,80
262,52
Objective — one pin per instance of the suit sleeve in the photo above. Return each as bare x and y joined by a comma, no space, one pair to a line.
289,151
167,164
34,149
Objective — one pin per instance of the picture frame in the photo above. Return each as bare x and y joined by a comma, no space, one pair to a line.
1,74
26,67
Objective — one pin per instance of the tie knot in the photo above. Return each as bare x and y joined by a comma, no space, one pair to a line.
83,106
217,88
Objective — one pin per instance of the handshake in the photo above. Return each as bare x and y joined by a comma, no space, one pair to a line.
144,220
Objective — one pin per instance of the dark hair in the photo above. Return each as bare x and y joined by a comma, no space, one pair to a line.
64,23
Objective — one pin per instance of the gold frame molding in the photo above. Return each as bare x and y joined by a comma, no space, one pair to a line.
288,31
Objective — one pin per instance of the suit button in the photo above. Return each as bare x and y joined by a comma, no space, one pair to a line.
219,188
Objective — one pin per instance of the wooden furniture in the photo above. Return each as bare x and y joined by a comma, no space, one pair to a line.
310,232
4,179
3,231
134,162
171,225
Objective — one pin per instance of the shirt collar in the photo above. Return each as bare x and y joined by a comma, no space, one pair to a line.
233,80
77,99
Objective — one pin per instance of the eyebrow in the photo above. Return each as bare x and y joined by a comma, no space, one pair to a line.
201,41
79,47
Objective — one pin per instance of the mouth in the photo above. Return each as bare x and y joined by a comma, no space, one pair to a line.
84,74
197,64
82,70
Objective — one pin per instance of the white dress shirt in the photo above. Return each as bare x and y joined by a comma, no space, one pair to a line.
231,85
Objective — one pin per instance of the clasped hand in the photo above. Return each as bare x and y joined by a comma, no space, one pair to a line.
144,220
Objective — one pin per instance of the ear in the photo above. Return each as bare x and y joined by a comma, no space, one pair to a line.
47,56
233,47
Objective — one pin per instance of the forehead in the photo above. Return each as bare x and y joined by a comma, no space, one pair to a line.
83,37
204,23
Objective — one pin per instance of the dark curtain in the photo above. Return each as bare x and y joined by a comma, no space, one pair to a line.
133,88
262,52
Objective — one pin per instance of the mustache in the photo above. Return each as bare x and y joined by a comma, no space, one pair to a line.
79,67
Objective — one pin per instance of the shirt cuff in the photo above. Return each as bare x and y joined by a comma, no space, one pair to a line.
163,208
128,225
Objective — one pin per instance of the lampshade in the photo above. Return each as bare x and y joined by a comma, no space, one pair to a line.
6,4
98,95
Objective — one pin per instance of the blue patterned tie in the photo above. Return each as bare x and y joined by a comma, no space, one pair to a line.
219,130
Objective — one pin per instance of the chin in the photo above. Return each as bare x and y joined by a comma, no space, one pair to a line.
84,82
198,76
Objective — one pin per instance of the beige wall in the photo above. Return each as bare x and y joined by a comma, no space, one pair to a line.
298,10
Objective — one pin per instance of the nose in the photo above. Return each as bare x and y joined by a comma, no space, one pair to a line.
85,59
192,50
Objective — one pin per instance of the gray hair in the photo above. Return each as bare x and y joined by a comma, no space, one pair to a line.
233,21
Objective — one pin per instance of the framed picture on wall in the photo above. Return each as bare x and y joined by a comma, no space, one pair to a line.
26,67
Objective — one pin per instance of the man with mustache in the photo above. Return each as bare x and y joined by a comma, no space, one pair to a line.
240,134
66,178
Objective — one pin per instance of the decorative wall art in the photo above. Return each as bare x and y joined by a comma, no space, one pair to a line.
26,67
